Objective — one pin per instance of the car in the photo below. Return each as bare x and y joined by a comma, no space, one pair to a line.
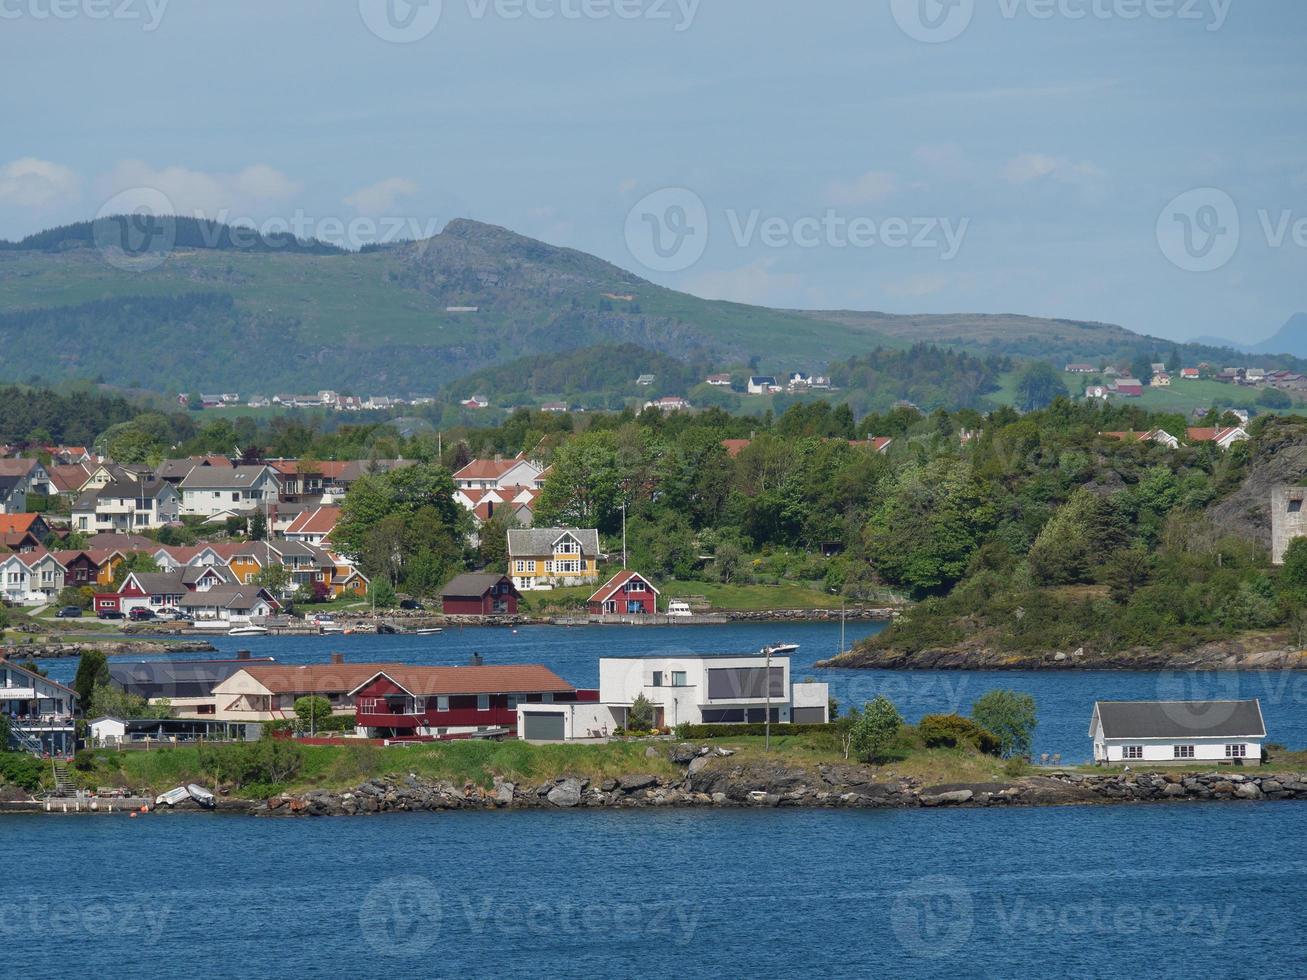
169,614
69,612
140,614
110,614
410,604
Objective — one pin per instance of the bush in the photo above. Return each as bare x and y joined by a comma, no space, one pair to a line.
1010,716
876,728
84,761
950,731
269,760
22,770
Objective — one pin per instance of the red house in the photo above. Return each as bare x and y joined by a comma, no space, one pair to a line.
454,702
80,568
480,594
627,593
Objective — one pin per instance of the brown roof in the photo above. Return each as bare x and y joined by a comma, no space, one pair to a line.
514,679
319,521
314,678
486,469
736,446
17,523
616,582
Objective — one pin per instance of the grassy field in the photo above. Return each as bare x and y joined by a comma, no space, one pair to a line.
1181,396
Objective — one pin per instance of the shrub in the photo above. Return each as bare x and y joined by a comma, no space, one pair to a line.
84,761
876,728
22,770
1010,716
692,732
640,716
953,730
269,760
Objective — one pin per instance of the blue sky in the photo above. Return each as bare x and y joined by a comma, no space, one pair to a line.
1027,156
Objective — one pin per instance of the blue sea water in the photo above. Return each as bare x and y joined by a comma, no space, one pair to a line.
1064,698
1188,890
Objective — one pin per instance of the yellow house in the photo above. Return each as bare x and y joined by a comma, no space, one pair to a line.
107,562
545,557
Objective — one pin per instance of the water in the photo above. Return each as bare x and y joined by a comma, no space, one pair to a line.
1186,890
1064,699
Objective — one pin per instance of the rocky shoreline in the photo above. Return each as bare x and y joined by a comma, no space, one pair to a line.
713,778
110,648
1222,655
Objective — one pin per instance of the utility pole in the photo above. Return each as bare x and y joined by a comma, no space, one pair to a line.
766,722
623,535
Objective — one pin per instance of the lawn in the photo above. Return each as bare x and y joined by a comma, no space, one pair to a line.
1181,396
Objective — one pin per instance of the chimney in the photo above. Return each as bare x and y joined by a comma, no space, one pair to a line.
476,660
242,655
337,658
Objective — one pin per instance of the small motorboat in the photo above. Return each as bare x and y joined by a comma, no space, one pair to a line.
248,630
780,649
385,629
428,631
179,794
201,796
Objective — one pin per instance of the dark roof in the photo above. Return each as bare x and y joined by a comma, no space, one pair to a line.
1181,719
176,678
472,586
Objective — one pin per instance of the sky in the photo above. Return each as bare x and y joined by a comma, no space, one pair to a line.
1140,162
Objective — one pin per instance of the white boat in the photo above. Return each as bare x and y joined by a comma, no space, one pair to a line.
331,627
201,796
249,630
780,649
429,631
174,796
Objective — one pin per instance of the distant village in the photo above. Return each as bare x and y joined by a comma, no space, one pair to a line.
1117,382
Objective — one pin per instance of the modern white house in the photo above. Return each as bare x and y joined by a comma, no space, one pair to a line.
30,578
691,690
1177,733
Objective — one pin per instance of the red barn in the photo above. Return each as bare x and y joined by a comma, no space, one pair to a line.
480,594
449,702
627,593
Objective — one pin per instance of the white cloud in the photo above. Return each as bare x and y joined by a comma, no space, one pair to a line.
1027,167
32,183
755,283
870,188
382,196
216,196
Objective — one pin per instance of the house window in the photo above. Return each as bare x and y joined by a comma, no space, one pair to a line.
520,567
1236,751
483,702
657,679
568,548
442,702
1295,506
546,699
635,585
512,702
1184,751
1132,752
678,678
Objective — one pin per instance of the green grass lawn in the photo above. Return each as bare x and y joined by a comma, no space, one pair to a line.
1181,396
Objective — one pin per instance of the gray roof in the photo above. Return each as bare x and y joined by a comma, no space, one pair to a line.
472,585
1181,719
540,540
191,574
223,477
176,678
160,583
223,596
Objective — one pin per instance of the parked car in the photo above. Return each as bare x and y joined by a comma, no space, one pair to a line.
110,614
410,604
169,614
140,614
69,612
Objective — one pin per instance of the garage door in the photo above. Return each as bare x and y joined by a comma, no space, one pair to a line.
543,726
808,716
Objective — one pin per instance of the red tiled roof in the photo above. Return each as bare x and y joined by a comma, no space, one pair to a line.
486,469
17,523
314,678
616,582
319,521
735,446
511,679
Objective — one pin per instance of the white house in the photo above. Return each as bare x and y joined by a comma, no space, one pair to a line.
40,711
1177,733
126,503
710,690
211,490
30,578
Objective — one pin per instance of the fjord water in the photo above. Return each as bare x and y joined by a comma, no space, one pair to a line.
1064,698
1171,890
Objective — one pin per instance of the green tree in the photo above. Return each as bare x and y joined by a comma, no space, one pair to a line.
92,669
1038,386
258,526
275,577
1009,715
640,716
1293,573
875,729
383,594
312,710
584,487
109,701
